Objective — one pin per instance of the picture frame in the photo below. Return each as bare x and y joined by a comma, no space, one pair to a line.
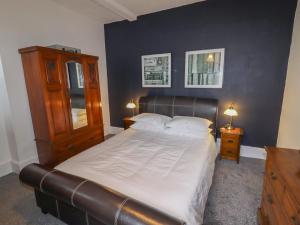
204,68
156,70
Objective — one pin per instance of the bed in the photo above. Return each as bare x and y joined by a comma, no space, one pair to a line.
137,177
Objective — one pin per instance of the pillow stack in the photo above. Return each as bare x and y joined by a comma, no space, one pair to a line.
150,121
179,125
188,126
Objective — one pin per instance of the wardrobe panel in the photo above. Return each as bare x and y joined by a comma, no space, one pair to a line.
55,92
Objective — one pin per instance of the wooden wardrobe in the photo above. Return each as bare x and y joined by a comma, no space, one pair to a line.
64,96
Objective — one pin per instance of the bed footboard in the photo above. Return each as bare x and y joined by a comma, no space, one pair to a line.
76,200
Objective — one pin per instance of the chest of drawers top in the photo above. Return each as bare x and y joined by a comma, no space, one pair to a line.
286,163
280,204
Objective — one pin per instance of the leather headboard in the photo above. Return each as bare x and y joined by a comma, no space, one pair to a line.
181,106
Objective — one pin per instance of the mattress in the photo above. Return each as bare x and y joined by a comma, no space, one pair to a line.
168,172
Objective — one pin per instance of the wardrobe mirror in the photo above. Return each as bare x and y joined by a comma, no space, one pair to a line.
77,94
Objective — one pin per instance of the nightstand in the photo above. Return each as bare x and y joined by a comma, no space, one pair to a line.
230,143
127,122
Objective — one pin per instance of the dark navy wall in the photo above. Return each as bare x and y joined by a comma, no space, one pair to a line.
256,35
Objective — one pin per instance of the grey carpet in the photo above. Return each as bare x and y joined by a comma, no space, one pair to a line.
236,192
233,198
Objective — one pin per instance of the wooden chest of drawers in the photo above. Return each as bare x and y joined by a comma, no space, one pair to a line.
280,204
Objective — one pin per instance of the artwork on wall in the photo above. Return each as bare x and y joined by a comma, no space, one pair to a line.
156,70
204,68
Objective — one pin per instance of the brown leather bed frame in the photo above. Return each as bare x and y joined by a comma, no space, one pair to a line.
78,201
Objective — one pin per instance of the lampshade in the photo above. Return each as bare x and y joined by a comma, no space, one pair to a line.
131,105
231,112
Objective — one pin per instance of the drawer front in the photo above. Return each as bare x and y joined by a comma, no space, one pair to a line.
291,208
128,123
228,153
230,136
70,148
62,153
264,219
273,207
266,208
275,182
230,143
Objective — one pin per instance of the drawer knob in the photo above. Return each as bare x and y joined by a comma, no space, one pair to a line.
273,176
229,151
230,141
70,147
91,138
269,198
295,221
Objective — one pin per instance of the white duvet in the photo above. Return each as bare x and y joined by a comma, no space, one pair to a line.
168,172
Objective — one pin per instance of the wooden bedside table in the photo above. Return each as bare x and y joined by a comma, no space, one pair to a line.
230,143
127,122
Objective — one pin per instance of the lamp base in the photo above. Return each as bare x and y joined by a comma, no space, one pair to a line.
229,127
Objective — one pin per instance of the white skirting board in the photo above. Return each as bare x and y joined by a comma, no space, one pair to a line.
253,152
5,168
13,166
17,166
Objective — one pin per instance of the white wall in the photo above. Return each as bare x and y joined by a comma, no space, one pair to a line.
40,22
289,135
5,156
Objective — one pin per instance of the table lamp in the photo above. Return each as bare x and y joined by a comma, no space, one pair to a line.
230,112
131,105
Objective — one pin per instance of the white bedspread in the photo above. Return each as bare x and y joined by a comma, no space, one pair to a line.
170,173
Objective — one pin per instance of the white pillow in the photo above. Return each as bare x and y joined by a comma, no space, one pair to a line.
189,123
152,118
187,133
148,126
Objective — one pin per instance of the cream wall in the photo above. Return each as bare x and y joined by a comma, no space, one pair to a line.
5,156
39,22
289,135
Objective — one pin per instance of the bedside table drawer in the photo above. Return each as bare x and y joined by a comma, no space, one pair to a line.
230,142
127,122
229,151
231,136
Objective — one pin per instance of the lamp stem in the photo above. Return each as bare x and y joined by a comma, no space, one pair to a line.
132,112
230,127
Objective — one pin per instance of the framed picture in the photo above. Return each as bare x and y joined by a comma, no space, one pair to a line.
204,68
156,70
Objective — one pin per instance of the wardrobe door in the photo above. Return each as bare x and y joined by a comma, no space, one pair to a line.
91,65
76,93
55,99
